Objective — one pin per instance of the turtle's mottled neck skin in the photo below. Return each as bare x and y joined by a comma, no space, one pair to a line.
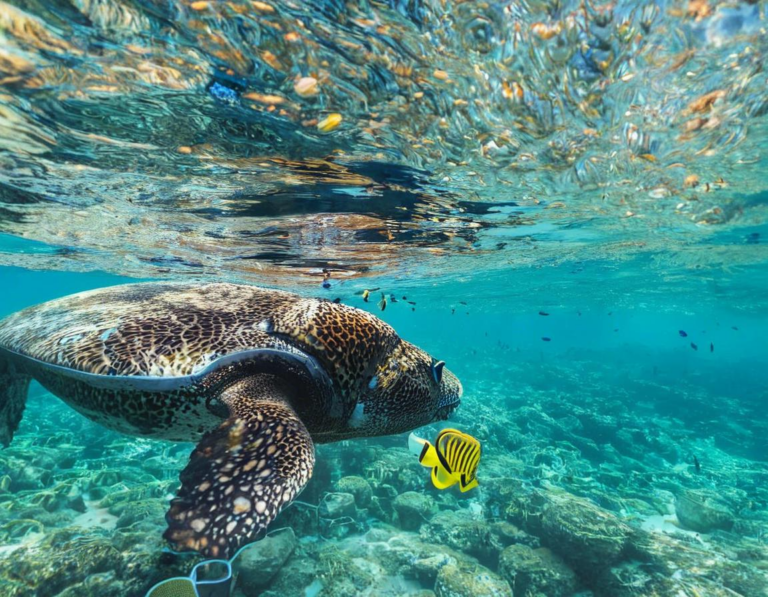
256,376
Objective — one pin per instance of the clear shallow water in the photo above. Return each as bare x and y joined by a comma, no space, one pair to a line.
604,166
612,410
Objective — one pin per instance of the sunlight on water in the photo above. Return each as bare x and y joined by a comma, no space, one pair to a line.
274,140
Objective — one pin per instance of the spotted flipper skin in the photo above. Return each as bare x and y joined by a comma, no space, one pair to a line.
242,474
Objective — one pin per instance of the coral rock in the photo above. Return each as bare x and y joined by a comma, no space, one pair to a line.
337,505
582,533
703,511
358,487
470,581
413,509
462,531
536,571
260,562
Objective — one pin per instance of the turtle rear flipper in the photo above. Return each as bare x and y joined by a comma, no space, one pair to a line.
241,474
13,398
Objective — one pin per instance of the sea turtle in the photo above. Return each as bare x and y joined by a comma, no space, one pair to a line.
255,376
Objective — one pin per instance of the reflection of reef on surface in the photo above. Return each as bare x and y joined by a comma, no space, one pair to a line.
269,139
584,488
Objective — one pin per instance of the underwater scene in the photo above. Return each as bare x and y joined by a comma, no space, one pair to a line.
383,297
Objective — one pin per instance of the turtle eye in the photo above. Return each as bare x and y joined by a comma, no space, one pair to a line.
437,370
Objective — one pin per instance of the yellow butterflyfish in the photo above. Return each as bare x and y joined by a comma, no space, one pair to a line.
453,459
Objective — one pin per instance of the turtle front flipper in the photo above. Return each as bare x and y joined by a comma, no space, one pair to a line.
13,398
241,474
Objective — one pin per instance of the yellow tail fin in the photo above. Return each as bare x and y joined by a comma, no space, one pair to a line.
441,478
464,486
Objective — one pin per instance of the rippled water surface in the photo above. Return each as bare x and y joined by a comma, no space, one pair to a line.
269,141
565,200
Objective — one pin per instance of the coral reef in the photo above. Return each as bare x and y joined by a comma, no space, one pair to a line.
358,487
582,491
703,511
536,572
462,581
413,509
259,563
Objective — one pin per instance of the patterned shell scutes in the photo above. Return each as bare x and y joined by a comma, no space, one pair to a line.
150,329
348,342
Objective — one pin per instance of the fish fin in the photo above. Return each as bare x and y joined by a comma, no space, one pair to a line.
441,478
240,475
428,456
416,445
13,398
467,484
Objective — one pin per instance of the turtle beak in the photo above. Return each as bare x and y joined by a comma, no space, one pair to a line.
450,398
446,408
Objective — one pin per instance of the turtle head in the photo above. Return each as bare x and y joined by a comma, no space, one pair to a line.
388,385
410,389
450,394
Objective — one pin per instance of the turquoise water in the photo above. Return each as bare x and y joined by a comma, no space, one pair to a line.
560,188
